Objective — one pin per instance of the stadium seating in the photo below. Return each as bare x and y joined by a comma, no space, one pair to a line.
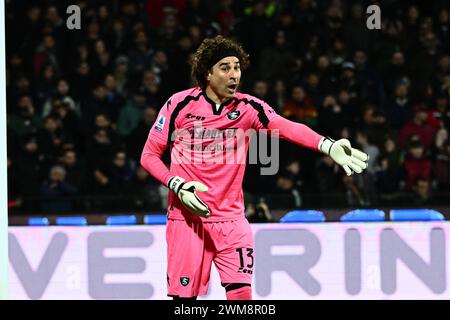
303,216
363,215
71,221
415,215
121,220
155,219
38,221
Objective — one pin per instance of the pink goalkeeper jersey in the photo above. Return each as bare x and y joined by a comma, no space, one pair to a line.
209,143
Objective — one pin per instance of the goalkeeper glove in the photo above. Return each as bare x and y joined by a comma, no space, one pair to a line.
185,191
341,151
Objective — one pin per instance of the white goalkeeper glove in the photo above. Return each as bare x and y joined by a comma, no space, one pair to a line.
341,151
186,193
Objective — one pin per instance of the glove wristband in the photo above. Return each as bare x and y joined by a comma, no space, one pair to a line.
175,184
325,145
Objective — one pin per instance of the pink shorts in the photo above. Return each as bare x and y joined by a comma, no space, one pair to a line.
192,246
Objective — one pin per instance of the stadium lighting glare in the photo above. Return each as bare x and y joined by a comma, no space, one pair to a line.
3,164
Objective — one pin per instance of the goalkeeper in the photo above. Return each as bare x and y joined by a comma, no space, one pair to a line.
206,221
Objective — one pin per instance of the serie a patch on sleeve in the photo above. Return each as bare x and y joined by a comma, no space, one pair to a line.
160,123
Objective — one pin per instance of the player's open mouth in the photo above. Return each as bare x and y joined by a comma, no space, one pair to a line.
232,88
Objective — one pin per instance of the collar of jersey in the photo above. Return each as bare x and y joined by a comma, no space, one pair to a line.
216,111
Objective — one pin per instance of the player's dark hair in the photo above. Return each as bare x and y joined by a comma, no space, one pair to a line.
201,62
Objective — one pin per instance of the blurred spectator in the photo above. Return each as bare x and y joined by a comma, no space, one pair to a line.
151,84
347,80
46,53
144,191
21,86
396,73
370,149
82,83
313,88
439,115
371,87
327,74
389,172
114,99
338,52
101,59
300,107
121,173
24,120
70,122
326,175
51,138
353,194
291,180
226,17
442,167
421,192
443,28
140,54
416,163
366,180
57,194
27,172
131,114
46,84
277,59
331,117
399,107
117,37
417,126
375,124
351,110
285,184
253,30
355,36
138,136
260,89
423,62
259,213
278,96
62,93
100,148
75,169
98,104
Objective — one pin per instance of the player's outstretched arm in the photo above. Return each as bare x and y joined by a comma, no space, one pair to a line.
341,151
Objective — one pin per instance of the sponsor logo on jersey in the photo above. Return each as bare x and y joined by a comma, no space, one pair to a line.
193,116
233,114
160,123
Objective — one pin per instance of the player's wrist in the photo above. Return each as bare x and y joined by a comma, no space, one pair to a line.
325,145
175,184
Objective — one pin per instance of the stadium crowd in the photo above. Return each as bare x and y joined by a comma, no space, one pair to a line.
80,103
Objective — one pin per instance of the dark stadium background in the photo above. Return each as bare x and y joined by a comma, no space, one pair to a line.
80,102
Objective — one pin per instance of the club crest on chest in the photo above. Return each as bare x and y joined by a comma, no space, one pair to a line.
233,114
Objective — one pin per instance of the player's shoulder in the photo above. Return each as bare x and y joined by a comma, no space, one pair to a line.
191,93
250,100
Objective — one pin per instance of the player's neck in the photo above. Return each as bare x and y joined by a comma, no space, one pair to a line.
214,97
